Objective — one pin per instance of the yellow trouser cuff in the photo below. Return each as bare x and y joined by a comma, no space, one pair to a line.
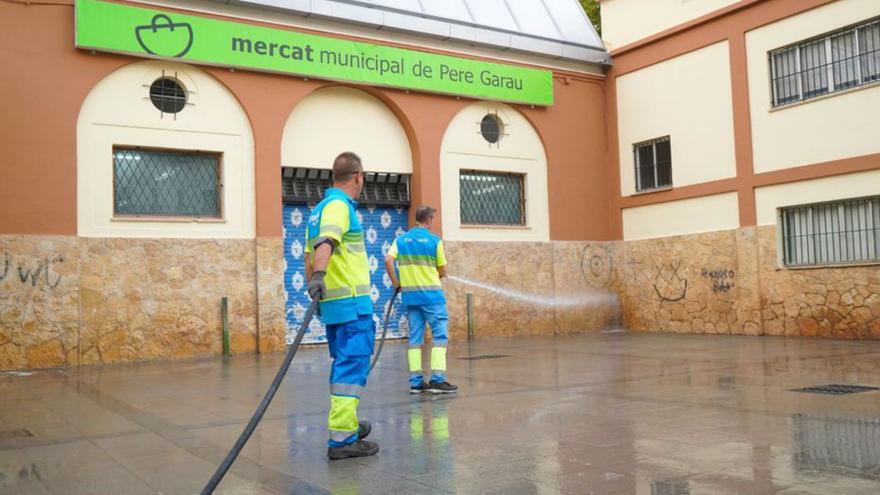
343,414
415,360
438,359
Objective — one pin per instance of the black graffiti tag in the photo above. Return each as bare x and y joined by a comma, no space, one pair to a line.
33,276
597,266
5,266
669,285
722,279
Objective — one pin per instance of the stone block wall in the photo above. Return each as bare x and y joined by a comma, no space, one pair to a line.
701,283
68,301
39,302
148,299
731,282
271,297
529,288
838,303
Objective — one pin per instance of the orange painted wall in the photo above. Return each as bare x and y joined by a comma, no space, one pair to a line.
574,133
44,81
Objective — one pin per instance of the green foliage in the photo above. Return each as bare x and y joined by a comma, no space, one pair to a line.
591,7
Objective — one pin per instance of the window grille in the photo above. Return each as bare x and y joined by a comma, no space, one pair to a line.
832,233
307,185
490,128
837,61
168,95
166,183
653,164
492,198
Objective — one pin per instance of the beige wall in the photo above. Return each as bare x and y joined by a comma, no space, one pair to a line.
668,99
820,130
689,216
336,119
519,150
212,121
627,21
769,199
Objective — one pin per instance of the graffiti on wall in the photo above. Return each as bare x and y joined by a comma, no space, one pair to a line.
669,285
35,275
597,266
722,278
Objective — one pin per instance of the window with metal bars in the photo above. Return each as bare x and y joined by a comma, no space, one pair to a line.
835,61
492,198
166,183
168,95
653,164
832,233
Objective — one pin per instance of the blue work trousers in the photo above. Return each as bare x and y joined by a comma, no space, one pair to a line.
436,316
350,345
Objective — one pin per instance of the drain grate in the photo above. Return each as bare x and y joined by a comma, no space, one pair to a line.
18,433
484,356
836,389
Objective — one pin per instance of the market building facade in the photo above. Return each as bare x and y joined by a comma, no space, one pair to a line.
719,175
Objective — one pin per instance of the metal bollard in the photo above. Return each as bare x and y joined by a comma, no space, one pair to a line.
470,316
224,315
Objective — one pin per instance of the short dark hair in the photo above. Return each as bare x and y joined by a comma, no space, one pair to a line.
424,213
345,166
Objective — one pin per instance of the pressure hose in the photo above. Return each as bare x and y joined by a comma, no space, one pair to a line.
270,394
261,409
384,329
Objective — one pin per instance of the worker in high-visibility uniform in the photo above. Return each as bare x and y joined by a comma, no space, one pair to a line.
339,277
422,262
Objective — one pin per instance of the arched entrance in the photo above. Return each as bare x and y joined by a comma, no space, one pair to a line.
327,122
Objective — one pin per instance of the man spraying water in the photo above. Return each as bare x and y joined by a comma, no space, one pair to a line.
422,262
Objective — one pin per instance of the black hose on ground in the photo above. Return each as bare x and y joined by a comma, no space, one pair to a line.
261,409
384,329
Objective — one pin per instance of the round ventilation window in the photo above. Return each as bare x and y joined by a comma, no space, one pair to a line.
168,95
490,128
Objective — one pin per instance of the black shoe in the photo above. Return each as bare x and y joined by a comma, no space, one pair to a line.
361,448
442,388
364,429
422,387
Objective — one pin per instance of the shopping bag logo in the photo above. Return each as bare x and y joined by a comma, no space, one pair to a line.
165,38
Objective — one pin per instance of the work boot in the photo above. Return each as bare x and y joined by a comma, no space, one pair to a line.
442,388
361,448
364,429
420,388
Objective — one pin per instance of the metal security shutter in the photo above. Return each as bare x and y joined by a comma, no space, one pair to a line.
381,225
307,185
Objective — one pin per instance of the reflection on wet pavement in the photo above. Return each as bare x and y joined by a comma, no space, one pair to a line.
837,445
604,413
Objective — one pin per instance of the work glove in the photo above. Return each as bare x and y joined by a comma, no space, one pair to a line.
316,286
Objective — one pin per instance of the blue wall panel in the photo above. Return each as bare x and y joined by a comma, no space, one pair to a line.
381,226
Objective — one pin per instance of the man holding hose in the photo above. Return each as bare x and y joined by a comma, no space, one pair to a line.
422,262
339,277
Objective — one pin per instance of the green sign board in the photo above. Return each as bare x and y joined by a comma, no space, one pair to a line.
153,33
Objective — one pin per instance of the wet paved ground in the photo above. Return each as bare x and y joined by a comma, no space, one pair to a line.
607,413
